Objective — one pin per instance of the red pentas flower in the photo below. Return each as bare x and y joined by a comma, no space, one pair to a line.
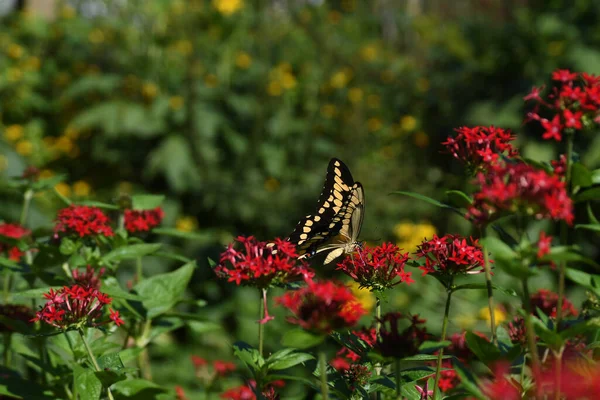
547,302
480,146
518,187
544,245
90,278
82,221
451,255
377,268
143,220
401,341
502,387
74,307
449,378
13,231
209,372
323,307
247,392
579,379
363,339
261,265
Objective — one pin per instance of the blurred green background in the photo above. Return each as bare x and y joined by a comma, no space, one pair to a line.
232,108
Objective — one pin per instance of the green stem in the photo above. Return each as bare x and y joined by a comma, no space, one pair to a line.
490,293
139,269
323,372
378,366
398,379
261,316
535,360
144,356
7,352
26,202
438,368
92,358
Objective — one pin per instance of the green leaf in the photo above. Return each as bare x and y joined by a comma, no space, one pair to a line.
211,263
591,215
112,369
584,279
37,293
580,328
64,199
146,201
548,336
506,258
248,355
422,197
12,385
137,388
161,292
131,252
48,183
111,287
588,195
589,227
580,175
429,346
482,348
67,247
9,264
482,286
289,361
300,339
99,204
467,382
196,236
87,384
568,253
458,199
424,357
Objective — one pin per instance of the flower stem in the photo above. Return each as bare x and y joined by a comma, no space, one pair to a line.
535,360
377,330
323,372
92,358
26,202
261,327
490,293
7,352
398,379
438,369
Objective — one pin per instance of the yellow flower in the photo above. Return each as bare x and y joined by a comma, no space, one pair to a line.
355,95
227,7
340,79
243,60
274,88
328,110
499,315
13,74
149,90
211,80
288,80
81,189
24,147
410,235
176,102
184,47
374,124
271,185
15,51
63,188
421,139
3,162
408,123
364,296
46,173
32,64
71,132
369,53
96,36
67,12
373,101
186,223
13,133
465,321
63,144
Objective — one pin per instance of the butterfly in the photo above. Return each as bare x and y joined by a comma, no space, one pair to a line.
337,221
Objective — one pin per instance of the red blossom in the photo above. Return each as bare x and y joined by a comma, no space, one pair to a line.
552,128
517,331
75,306
143,220
198,361
544,244
378,267
449,378
13,253
579,379
83,221
573,119
547,302
180,393
247,392
563,75
458,347
322,307
451,254
502,387
480,146
356,375
534,94
345,357
559,166
397,342
116,318
13,231
223,368
260,265
519,187
90,278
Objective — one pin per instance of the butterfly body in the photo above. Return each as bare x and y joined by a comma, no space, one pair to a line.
336,224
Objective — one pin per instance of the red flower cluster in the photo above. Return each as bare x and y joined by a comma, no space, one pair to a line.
345,357
75,306
449,378
9,233
207,373
90,279
480,146
247,392
503,387
518,187
378,267
517,331
544,244
143,221
83,221
260,265
399,344
573,103
322,307
451,254
579,379
547,302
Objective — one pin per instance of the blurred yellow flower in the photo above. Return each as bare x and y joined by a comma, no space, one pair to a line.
81,189
410,235
499,315
32,64
364,296
274,88
271,185
46,173
15,51
465,321
186,223
408,123
328,110
211,80
355,95
243,60
373,101
124,187
421,139
13,74
63,144
184,47
374,124
3,162
422,84
227,7
284,67
13,133
369,53
63,188
178,7
288,80
67,12
149,90
340,78
49,142
71,132
96,36
24,147
176,102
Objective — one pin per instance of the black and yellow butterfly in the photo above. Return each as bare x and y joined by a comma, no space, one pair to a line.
337,221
